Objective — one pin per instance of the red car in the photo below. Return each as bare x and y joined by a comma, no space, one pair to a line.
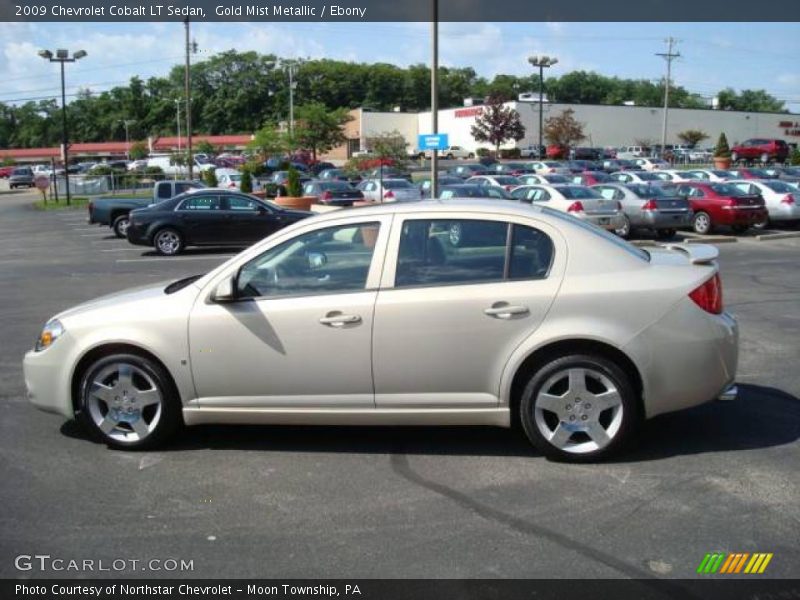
753,173
763,150
556,152
590,178
5,172
716,204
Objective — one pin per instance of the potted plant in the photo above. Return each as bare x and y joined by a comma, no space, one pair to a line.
722,153
294,197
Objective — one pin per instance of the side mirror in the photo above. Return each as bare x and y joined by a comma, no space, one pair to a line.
225,290
317,260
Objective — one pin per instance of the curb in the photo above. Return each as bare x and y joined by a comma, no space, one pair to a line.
716,239
777,236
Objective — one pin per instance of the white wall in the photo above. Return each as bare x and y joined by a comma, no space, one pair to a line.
376,123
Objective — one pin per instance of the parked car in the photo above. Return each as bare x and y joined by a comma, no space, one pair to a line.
760,149
468,170
648,207
650,164
511,168
507,182
634,176
579,166
588,178
579,201
5,172
780,199
339,175
631,152
532,151
584,153
791,174
442,180
547,178
21,177
717,175
332,192
320,166
544,167
389,190
612,165
672,175
207,217
700,155
555,151
113,211
471,190
753,173
228,178
452,152
387,173
717,204
281,178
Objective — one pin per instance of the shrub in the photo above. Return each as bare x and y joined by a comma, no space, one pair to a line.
510,153
246,185
153,171
210,178
722,149
795,157
271,190
293,184
257,168
481,152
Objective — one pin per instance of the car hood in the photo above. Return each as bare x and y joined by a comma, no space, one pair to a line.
119,299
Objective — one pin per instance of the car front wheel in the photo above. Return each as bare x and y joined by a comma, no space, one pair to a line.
128,402
168,242
579,408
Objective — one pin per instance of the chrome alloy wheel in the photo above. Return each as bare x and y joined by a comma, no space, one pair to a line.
124,402
578,410
168,242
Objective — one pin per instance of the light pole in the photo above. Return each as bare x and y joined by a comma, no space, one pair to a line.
542,62
178,120
126,123
62,56
291,68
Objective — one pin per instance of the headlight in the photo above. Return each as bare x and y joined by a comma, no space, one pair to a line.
51,332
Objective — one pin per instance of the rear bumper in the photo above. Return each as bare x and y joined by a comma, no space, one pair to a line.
785,212
741,217
606,221
661,220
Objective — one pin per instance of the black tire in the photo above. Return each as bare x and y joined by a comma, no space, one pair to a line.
169,416
120,226
665,234
761,225
172,249
629,415
701,223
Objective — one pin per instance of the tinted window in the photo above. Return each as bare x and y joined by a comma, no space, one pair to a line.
578,192
778,186
164,190
725,189
394,184
326,261
180,188
201,203
241,203
531,253
442,252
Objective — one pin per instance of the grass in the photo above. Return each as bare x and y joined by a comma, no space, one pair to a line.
76,203
148,193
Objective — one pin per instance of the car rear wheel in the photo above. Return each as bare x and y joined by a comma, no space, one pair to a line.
120,226
625,230
762,224
128,402
168,242
702,223
579,408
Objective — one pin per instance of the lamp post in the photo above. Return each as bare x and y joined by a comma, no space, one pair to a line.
126,123
542,62
62,56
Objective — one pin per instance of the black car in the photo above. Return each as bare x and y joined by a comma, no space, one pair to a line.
335,193
612,165
469,170
317,168
585,153
425,184
471,190
207,217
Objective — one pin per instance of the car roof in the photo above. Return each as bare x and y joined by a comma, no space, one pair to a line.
488,206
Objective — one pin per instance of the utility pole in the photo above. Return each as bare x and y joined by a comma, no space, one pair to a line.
126,123
669,56
187,84
291,66
435,97
178,119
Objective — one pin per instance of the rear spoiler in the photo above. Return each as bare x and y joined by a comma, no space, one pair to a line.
698,254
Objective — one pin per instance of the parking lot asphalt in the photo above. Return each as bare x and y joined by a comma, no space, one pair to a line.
393,502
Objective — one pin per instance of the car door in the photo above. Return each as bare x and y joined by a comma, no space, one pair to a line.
451,311
247,220
201,220
300,332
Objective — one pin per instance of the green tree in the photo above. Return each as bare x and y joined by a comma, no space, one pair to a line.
722,149
497,124
389,145
210,178
268,142
293,189
246,184
794,159
563,130
318,129
749,100
205,147
138,151
692,137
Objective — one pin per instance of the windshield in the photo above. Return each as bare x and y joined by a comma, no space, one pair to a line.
335,185
643,191
394,184
507,180
578,192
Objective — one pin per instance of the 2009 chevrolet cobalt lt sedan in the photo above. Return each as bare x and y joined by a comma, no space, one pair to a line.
375,316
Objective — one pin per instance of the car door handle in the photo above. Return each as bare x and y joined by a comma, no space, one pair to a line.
339,320
501,310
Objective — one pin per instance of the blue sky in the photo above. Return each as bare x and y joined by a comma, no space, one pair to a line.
714,55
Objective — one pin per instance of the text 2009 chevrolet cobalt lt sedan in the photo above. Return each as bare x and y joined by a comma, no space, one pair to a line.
374,316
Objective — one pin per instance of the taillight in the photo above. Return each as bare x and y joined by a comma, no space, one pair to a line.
326,195
575,207
650,205
787,199
729,204
388,195
709,295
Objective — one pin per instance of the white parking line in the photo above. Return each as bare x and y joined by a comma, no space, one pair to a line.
174,258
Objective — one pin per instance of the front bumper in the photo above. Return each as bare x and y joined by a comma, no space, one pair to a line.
47,377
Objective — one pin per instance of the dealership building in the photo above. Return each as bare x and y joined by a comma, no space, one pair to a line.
604,126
